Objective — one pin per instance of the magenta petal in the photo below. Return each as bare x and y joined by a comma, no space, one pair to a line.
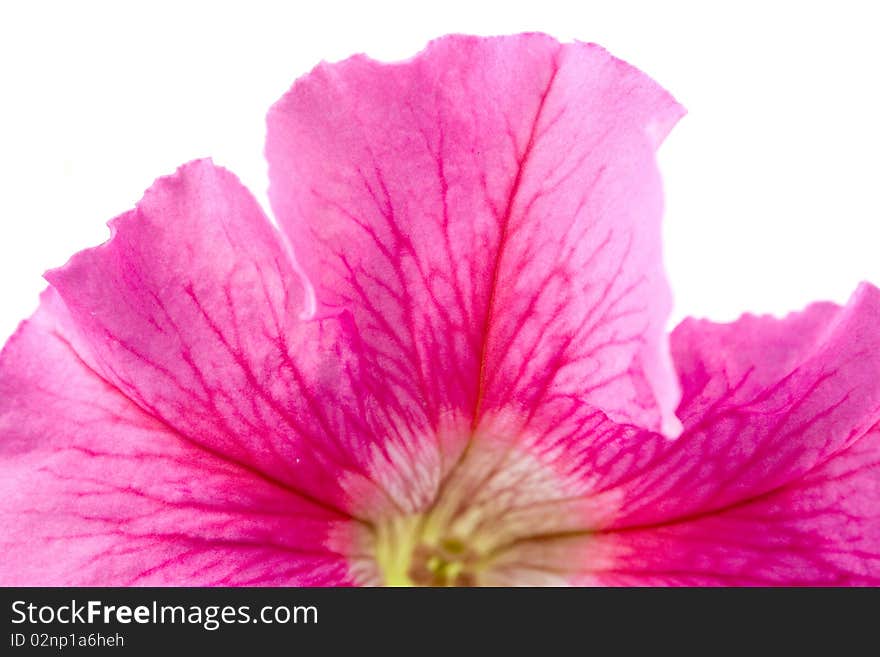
490,213
776,478
822,529
192,310
97,492
817,395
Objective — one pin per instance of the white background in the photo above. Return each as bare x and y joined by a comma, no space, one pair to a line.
771,180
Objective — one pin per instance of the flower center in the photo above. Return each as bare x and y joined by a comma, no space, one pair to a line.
416,551
451,563
500,515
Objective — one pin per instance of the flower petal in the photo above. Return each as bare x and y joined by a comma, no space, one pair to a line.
776,478
822,529
752,429
490,213
97,492
192,310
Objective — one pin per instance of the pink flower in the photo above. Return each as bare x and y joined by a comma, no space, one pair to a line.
465,378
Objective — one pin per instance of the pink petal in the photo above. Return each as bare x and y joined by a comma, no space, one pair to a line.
192,310
97,492
776,478
490,213
753,429
822,529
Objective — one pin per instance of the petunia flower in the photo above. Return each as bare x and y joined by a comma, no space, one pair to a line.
461,377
